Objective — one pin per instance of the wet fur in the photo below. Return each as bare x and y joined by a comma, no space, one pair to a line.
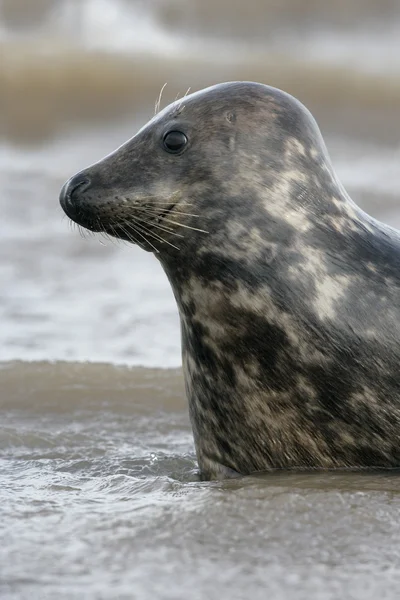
289,304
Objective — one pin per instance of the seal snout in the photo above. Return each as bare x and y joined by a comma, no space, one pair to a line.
70,192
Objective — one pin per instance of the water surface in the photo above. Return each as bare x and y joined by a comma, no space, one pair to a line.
100,499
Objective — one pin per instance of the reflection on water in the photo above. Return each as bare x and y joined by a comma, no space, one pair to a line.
99,494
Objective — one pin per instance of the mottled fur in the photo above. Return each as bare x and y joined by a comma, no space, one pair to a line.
289,305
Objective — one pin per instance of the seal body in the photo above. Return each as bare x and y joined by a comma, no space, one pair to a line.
288,293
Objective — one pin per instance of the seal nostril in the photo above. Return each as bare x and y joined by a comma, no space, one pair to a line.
70,190
78,183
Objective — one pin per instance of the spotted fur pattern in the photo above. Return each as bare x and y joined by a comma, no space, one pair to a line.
289,304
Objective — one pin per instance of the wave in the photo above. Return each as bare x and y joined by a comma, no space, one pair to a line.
66,62
37,387
66,84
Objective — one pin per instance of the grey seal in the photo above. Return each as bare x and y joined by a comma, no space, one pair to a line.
288,293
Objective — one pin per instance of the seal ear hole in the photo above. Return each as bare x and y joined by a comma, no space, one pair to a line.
174,141
231,117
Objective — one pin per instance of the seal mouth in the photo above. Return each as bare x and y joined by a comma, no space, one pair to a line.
149,228
165,212
142,225
151,222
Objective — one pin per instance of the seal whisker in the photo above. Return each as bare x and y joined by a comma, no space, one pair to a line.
82,232
161,215
165,210
152,234
114,228
108,238
138,233
180,108
152,225
158,102
115,240
164,219
115,225
173,198
149,200
185,226
129,235
168,203
185,214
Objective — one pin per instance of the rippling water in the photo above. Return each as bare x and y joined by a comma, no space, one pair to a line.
100,499
99,492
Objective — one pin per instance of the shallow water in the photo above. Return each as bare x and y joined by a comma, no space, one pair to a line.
99,492
100,499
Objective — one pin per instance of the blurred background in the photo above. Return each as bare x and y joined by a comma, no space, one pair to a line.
79,77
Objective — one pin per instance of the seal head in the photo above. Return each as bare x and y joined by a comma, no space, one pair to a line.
288,294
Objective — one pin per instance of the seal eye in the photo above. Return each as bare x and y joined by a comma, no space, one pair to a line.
174,141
